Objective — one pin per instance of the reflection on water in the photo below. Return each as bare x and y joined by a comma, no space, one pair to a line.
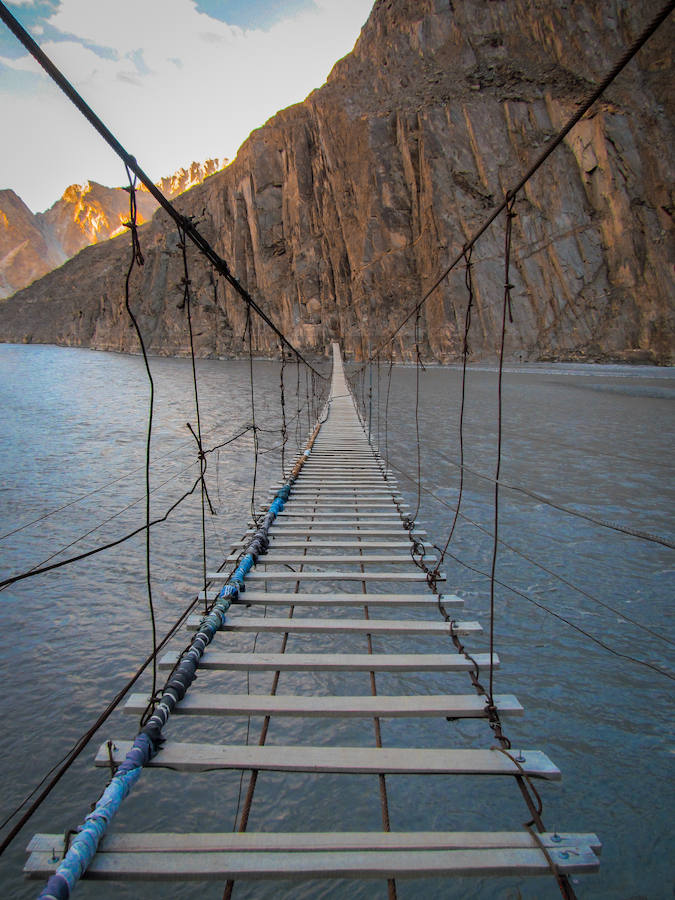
596,438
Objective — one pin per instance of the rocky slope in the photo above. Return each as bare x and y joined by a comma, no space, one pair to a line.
342,210
25,253
33,244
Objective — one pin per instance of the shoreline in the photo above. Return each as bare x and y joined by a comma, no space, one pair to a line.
512,365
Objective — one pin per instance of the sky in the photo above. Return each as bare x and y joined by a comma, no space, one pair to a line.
174,80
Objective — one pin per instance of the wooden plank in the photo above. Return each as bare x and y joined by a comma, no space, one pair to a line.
281,543
334,662
338,598
341,481
346,491
352,457
353,467
283,529
312,498
197,757
278,625
345,484
282,558
257,575
177,842
348,516
361,864
328,503
306,504
344,487
353,471
364,492
202,703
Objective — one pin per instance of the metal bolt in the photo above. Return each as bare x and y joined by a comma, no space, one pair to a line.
520,758
556,837
54,856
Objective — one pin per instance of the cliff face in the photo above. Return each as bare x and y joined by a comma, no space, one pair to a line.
25,253
33,244
341,211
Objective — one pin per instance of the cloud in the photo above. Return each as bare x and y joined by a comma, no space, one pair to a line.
175,84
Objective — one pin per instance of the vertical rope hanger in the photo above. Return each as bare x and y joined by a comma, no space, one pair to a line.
308,401
378,400
249,335
386,410
282,401
136,259
468,281
506,311
185,282
298,425
418,365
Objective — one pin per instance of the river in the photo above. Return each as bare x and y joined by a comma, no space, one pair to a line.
597,439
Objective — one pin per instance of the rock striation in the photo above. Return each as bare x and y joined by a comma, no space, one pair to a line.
33,244
341,211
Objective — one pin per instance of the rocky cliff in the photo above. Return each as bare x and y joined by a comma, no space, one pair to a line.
342,210
32,245
25,252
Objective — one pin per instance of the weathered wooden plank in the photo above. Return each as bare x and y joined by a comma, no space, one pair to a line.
381,501
334,662
282,543
196,757
278,625
279,558
337,598
257,575
284,529
300,505
361,864
176,842
352,478
354,445
348,516
202,703
373,489
344,483
359,468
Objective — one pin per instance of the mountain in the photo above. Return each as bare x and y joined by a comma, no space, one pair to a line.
342,210
33,244
184,179
25,253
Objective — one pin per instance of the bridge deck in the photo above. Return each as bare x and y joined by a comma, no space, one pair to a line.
339,547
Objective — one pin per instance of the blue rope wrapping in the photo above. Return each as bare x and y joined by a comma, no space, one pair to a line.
149,740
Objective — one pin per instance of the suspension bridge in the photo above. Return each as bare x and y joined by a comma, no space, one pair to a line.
336,549
337,571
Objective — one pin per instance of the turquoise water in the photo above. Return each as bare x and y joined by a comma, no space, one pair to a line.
596,438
